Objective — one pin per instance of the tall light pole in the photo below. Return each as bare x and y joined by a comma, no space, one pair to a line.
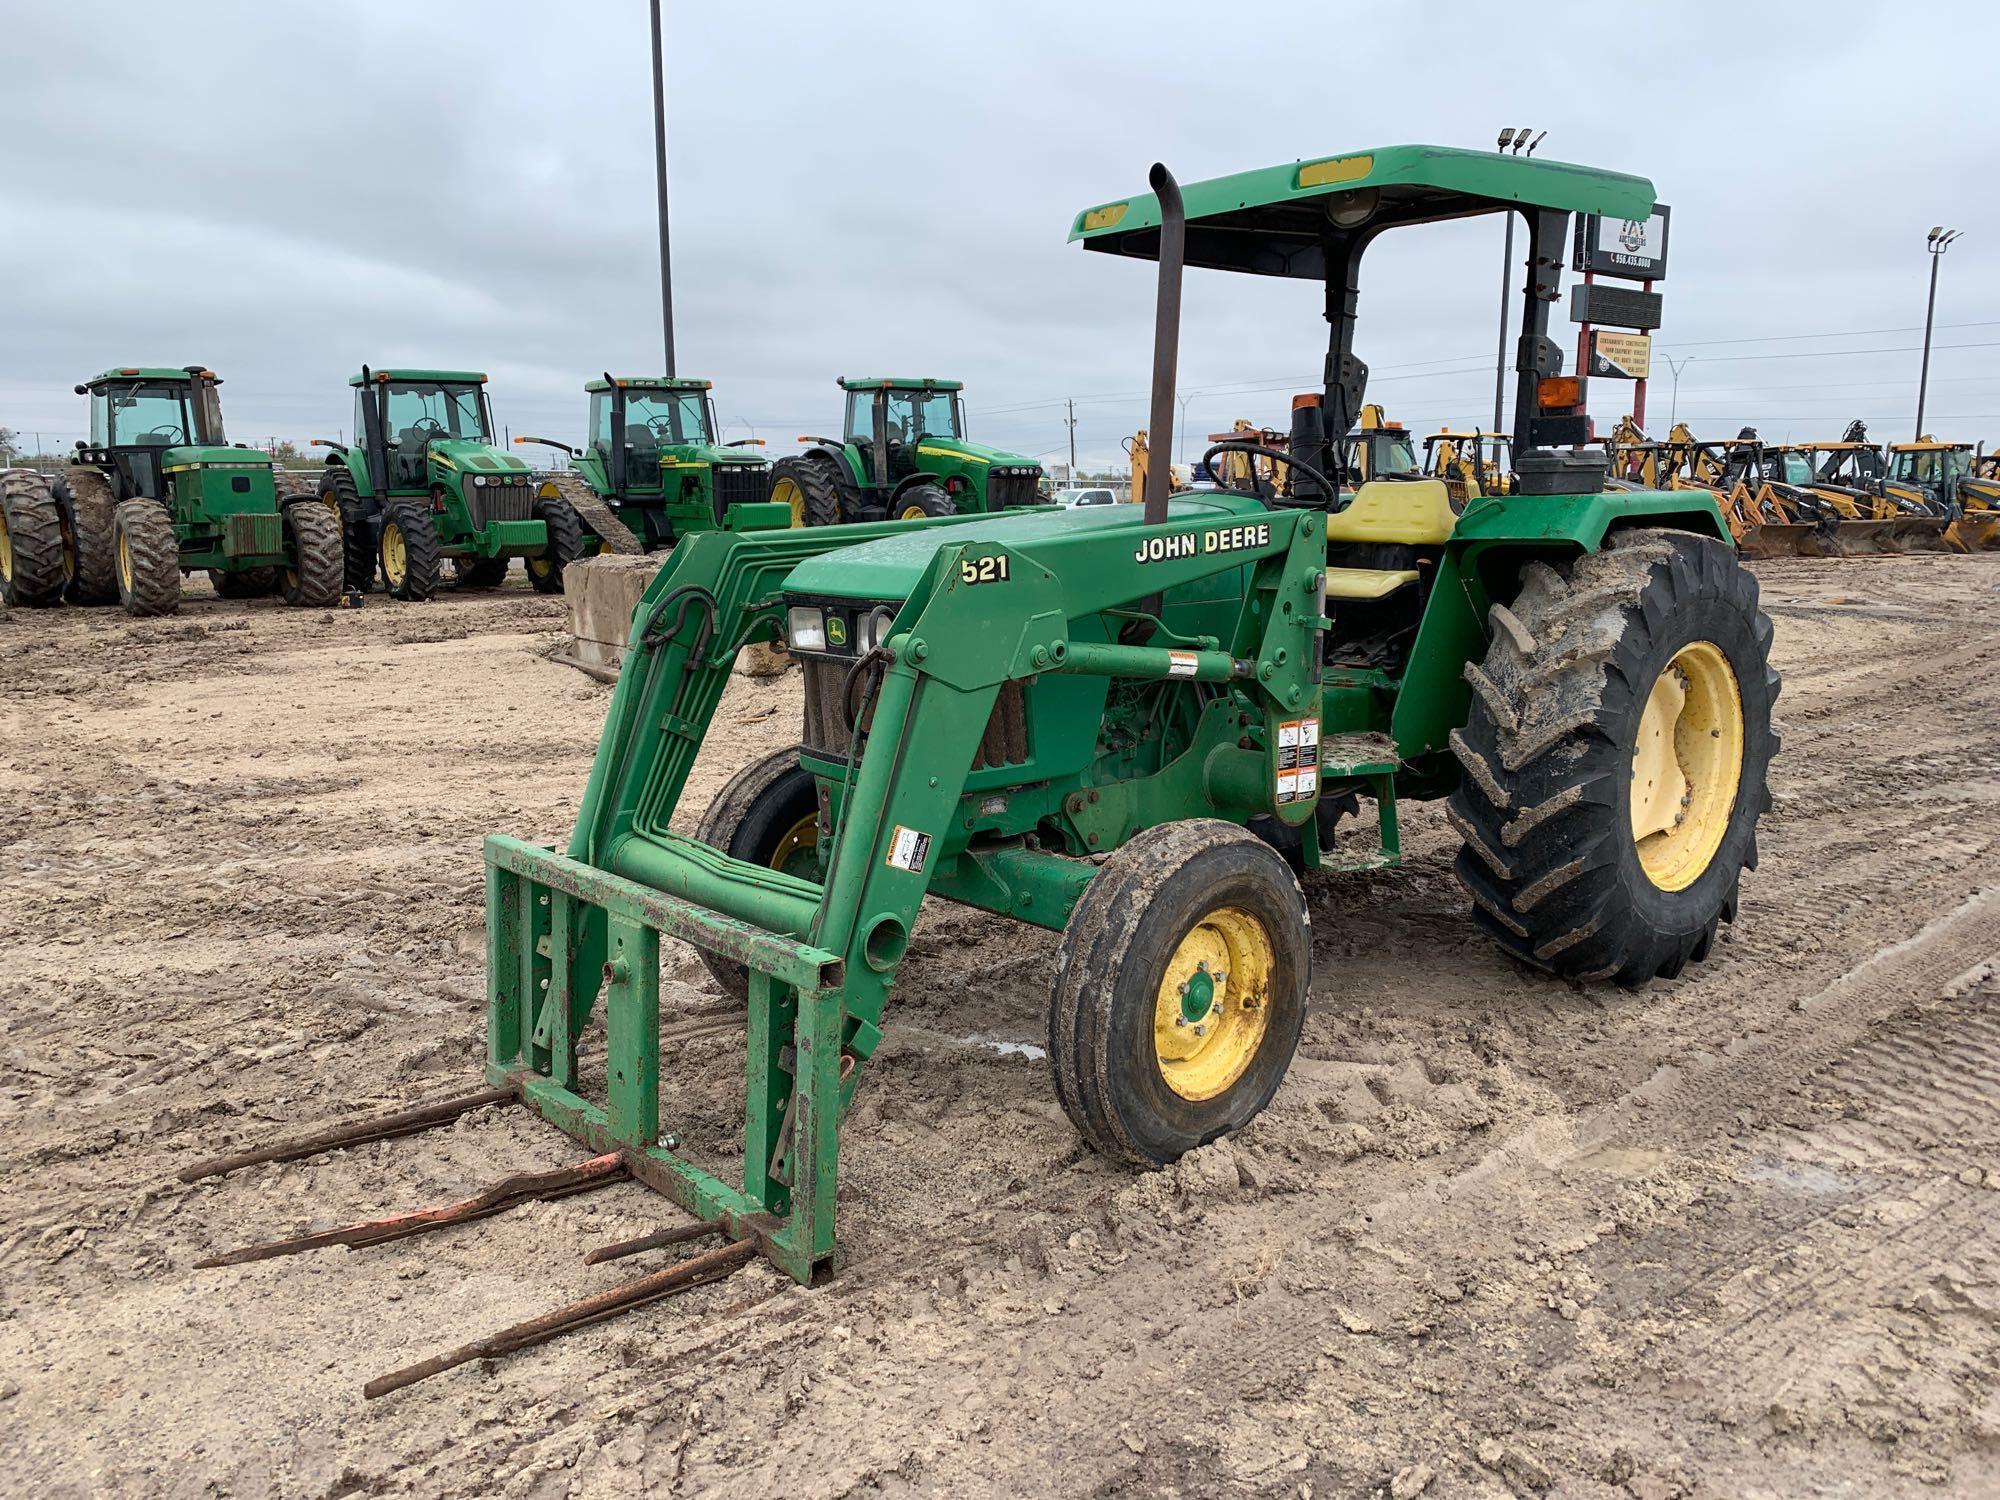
1674,407
1937,242
1516,139
660,174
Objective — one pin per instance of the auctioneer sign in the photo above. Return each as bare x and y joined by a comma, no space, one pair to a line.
1633,248
1620,356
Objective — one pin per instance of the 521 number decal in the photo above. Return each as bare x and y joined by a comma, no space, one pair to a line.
982,570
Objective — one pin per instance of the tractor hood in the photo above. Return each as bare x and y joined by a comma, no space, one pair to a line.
890,567
961,451
469,456
707,455
212,455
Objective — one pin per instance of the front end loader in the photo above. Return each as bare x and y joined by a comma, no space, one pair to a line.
157,491
903,456
422,482
653,469
1134,726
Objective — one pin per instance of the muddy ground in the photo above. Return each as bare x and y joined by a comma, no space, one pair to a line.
1737,1235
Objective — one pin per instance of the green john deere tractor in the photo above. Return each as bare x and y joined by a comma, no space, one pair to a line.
1131,725
903,457
156,492
423,482
652,470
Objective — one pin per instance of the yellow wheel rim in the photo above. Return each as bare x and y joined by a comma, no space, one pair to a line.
1214,1003
801,837
787,492
6,549
124,562
541,567
1686,766
395,555
913,513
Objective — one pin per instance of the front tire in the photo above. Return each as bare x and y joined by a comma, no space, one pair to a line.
922,502
1180,991
243,583
1616,758
479,572
766,814
565,545
316,575
409,553
146,558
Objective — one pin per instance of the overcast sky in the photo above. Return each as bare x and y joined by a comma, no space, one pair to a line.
283,191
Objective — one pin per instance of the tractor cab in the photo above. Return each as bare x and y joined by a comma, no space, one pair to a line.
638,424
420,422
902,455
144,420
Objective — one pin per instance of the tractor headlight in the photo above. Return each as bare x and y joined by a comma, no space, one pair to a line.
875,628
480,480
805,627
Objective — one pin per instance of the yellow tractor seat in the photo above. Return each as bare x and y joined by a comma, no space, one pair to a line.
1415,512
1367,583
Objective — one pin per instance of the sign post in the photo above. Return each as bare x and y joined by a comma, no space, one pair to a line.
1632,250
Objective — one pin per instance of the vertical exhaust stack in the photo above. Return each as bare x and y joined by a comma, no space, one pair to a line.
1166,340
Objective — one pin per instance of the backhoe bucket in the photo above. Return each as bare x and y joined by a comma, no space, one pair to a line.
1780,539
1975,531
1921,534
1863,538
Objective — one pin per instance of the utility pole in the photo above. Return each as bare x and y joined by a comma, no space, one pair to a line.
1674,408
1517,139
1071,424
1936,242
660,173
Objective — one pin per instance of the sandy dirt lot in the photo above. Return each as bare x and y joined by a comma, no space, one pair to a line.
1733,1236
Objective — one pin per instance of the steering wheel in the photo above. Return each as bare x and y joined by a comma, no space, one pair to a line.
430,427
166,432
662,430
1257,493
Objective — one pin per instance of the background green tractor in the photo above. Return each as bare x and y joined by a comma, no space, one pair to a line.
156,491
423,482
904,457
652,470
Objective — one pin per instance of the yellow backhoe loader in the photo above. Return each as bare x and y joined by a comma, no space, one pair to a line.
1939,477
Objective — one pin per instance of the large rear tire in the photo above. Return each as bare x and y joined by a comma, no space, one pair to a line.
565,545
315,576
342,497
811,484
1180,990
34,559
90,513
1616,756
766,814
409,553
147,558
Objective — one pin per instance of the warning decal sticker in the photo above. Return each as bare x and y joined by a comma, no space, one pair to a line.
908,849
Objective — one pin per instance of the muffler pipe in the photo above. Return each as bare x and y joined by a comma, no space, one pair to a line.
1166,341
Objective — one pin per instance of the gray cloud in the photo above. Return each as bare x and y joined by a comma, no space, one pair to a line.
286,191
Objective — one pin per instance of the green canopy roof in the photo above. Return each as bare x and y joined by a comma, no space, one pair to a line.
1273,221
472,377
142,372
897,383
649,383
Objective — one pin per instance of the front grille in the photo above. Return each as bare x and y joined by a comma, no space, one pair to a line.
741,484
828,733
508,500
1004,490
